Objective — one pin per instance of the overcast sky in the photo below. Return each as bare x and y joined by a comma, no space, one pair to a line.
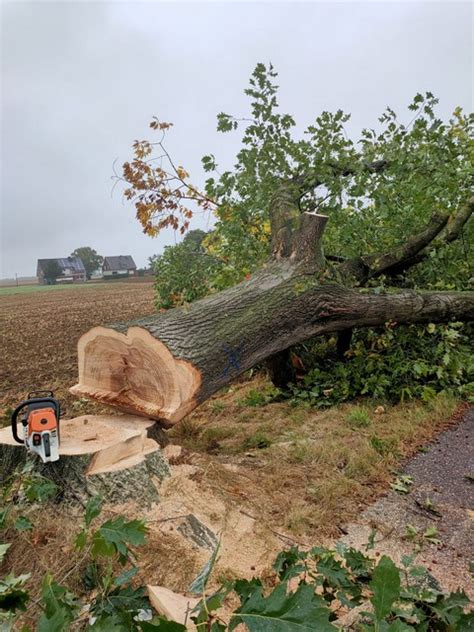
81,81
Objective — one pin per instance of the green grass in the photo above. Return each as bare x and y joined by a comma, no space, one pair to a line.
26,289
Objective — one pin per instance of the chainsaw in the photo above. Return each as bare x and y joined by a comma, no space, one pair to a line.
39,415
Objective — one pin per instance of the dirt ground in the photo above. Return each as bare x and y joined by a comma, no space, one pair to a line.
40,330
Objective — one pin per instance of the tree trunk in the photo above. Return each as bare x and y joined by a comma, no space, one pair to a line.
111,456
164,365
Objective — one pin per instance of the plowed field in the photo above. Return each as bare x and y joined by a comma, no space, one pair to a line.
40,330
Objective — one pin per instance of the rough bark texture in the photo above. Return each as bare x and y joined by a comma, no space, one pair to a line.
113,457
164,365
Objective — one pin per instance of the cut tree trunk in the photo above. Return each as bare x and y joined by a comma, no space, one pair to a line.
109,455
164,365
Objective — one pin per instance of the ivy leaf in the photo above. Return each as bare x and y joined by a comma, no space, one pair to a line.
385,586
300,611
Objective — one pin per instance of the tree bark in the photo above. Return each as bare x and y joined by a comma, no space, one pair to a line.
164,365
109,455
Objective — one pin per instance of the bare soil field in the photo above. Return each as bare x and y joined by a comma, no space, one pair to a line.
40,330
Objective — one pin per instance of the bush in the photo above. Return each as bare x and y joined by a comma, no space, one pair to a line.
184,272
392,364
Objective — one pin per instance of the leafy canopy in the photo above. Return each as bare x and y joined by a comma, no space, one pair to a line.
428,167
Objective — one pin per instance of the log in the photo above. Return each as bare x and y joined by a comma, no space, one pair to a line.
109,455
164,365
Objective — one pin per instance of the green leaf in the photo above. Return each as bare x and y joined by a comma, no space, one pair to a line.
23,524
93,508
333,572
122,600
81,540
38,488
101,546
289,563
125,576
199,584
60,607
449,609
300,611
360,564
12,595
385,586
115,535
161,625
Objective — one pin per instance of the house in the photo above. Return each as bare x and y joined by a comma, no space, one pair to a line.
119,266
70,269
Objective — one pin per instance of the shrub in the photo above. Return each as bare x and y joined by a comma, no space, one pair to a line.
393,364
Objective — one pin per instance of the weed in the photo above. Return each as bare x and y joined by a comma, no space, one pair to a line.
258,440
217,406
358,418
383,446
420,539
402,484
261,397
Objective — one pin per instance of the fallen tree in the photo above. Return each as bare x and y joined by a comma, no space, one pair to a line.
384,207
164,365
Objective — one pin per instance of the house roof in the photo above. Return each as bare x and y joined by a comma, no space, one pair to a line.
71,263
121,262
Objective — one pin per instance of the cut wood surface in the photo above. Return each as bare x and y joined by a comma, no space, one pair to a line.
112,455
172,605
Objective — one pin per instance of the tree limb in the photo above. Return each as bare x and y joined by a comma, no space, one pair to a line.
306,183
453,224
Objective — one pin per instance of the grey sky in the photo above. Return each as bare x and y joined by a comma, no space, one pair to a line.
81,81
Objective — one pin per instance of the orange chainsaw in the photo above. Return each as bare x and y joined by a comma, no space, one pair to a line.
39,415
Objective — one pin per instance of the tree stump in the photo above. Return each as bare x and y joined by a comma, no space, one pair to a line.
109,455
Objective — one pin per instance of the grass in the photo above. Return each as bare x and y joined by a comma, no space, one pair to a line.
312,469
27,289
358,417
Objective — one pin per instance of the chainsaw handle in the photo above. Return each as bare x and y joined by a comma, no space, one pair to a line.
15,414
36,400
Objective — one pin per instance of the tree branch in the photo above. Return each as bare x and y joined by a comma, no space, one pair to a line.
453,224
306,183
385,263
